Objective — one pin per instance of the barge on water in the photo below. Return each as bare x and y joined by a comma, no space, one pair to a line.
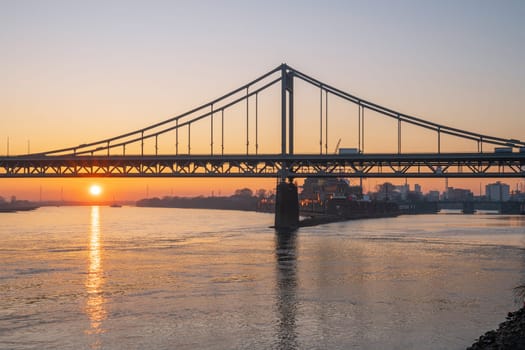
361,209
345,209
332,200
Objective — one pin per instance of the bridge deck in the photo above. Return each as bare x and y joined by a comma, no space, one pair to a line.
422,165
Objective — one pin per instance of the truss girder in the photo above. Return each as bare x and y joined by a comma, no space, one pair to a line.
363,165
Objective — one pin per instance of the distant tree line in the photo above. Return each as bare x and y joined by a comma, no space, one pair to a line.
242,199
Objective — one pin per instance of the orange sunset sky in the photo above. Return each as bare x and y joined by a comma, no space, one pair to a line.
75,72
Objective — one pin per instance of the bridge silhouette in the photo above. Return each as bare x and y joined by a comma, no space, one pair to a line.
136,153
111,157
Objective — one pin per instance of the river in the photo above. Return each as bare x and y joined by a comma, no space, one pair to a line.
137,278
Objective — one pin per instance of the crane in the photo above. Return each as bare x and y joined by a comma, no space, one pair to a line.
337,146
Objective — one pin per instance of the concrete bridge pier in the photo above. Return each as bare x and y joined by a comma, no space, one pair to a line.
286,206
468,208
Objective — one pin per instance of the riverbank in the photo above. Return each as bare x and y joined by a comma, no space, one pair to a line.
509,335
17,205
244,203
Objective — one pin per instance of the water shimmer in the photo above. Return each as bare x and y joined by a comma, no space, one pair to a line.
135,278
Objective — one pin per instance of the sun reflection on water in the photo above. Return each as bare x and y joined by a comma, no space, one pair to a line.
95,309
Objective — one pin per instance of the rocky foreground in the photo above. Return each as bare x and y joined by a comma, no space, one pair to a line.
509,335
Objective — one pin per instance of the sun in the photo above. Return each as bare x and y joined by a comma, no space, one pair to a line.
95,190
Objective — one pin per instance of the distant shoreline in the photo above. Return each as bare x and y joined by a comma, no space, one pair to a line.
243,203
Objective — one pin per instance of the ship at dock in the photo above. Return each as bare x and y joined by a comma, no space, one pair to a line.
333,199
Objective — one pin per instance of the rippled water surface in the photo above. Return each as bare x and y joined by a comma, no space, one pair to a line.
135,278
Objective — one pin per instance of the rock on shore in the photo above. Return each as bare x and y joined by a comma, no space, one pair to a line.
509,335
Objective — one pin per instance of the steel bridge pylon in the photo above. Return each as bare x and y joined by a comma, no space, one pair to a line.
287,198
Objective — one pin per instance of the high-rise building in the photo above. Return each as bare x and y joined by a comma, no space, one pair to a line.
497,192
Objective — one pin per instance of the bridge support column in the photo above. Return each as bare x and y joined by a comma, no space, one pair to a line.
468,208
286,206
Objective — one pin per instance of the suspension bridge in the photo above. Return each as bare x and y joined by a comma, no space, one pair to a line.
111,157
195,143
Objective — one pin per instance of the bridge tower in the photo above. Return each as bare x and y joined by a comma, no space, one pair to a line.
287,199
